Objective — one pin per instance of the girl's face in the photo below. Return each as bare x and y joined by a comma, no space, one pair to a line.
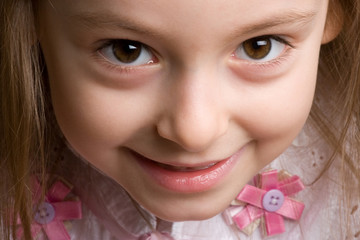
182,102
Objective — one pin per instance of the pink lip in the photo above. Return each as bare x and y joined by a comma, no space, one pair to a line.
187,181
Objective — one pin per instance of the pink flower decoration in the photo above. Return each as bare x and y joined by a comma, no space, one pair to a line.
50,214
270,202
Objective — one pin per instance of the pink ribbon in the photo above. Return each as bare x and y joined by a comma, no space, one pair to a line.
257,208
53,212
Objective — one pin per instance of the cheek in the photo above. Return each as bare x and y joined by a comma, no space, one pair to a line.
277,112
282,109
94,118
284,113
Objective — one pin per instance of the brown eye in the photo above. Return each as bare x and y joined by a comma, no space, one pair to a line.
257,48
127,53
261,49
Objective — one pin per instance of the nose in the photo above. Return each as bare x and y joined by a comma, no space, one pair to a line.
194,116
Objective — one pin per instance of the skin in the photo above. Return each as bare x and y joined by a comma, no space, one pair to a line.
196,102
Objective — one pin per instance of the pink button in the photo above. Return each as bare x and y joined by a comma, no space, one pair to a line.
45,213
273,200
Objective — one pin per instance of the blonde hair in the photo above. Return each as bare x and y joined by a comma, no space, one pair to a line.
26,136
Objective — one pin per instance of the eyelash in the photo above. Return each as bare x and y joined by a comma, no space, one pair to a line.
280,39
283,56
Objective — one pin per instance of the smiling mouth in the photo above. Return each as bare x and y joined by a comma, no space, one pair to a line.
186,179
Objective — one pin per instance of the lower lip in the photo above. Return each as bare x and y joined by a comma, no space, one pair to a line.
188,182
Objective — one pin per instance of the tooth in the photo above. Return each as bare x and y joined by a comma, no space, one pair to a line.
184,169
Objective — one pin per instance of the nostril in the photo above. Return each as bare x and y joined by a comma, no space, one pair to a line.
192,119
191,138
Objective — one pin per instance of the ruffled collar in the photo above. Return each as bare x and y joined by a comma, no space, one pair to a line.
110,203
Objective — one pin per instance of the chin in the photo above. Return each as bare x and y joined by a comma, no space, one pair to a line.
188,211
187,216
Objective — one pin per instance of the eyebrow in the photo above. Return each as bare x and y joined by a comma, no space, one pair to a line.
299,18
110,21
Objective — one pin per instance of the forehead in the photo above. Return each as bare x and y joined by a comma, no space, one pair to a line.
190,6
176,12
176,19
